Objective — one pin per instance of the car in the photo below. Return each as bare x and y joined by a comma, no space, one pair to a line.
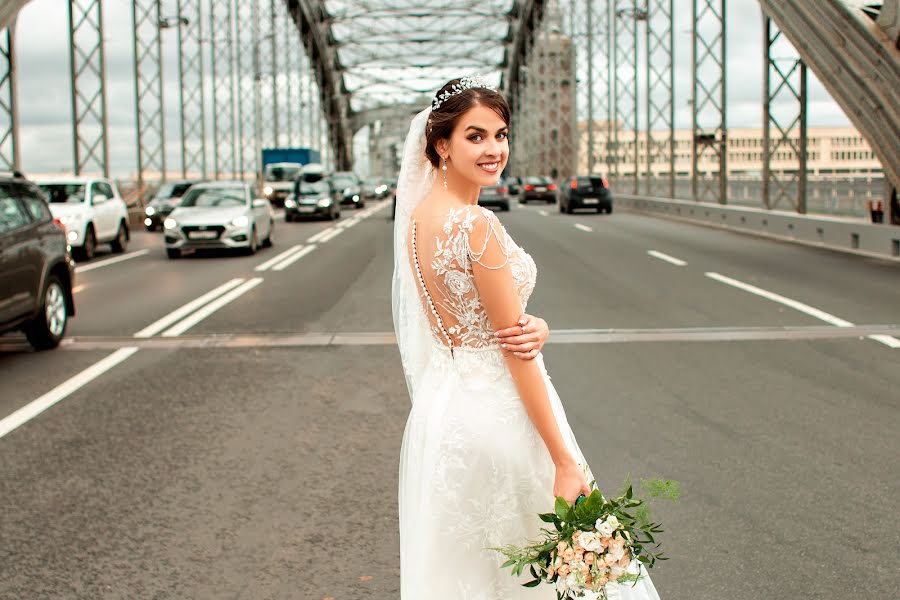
164,202
36,267
495,195
278,180
219,215
514,184
374,188
92,210
538,188
312,196
586,191
347,183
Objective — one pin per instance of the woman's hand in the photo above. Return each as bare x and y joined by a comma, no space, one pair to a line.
570,482
526,339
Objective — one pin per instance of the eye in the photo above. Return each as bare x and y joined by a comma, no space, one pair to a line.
475,137
502,135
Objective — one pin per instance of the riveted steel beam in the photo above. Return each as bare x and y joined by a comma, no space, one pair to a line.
625,93
191,79
710,133
221,27
87,70
148,90
246,38
9,117
660,102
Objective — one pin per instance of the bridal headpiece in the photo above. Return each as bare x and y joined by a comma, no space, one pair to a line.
465,83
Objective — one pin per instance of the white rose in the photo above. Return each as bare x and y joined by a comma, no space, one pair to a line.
616,552
603,528
572,581
616,570
589,541
612,521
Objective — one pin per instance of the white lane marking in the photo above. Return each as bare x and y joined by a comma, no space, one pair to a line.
543,213
278,258
175,315
36,407
582,227
212,307
292,259
315,238
666,257
78,288
351,222
331,235
800,306
110,261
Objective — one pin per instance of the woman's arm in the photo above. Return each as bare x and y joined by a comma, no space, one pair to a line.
526,338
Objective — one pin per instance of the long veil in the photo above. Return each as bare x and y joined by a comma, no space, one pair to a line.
410,322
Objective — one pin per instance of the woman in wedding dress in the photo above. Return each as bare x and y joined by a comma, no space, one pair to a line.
487,445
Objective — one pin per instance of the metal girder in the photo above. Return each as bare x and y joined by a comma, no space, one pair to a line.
660,104
312,21
221,27
191,78
859,70
9,116
8,11
784,83
625,92
526,20
148,89
87,70
266,72
710,132
246,36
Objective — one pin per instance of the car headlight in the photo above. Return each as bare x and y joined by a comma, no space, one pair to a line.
289,202
323,202
72,235
268,190
149,211
70,220
241,221
170,223
356,197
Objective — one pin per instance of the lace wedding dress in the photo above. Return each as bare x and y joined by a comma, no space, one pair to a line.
474,473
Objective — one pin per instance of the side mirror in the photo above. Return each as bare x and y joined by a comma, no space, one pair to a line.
99,198
260,203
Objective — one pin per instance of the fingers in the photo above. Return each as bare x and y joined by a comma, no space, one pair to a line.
530,355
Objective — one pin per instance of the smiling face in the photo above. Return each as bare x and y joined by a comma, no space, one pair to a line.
478,147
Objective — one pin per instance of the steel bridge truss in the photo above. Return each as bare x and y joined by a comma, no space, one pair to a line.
148,89
191,78
710,134
87,70
9,120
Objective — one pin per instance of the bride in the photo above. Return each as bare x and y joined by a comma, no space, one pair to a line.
487,445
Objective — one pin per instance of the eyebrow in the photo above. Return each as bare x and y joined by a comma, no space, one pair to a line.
480,130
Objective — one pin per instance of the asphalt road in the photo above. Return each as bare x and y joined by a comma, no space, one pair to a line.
247,447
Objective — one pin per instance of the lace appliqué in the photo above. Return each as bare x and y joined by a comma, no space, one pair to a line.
449,283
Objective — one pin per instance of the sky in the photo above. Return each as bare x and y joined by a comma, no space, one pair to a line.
45,105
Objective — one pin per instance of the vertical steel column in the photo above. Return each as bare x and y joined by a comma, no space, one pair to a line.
267,93
9,116
246,35
288,40
191,79
221,21
591,35
626,90
87,70
148,90
660,103
784,83
709,109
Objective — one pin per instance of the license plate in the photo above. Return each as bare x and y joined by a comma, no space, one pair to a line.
203,235
590,201
306,209
540,189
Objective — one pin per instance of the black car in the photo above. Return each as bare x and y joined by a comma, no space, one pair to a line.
164,202
495,196
312,197
36,267
586,191
538,188
348,185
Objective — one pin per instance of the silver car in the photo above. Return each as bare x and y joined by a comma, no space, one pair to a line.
219,215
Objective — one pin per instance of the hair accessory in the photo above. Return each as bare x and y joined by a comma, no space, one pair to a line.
465,83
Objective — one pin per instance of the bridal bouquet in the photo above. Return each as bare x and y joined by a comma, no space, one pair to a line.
594,543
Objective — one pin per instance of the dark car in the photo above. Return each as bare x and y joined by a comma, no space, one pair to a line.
495,196
164,202
348,186
312,197
538,188
514,184
586,191
36,268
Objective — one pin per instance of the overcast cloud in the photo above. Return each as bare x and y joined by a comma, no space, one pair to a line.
45,109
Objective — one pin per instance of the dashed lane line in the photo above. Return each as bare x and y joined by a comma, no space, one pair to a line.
799,306
583,227
294,258
66,388
212,307
667,258
110,261
543,213
330,235
278,258
180,313
315,238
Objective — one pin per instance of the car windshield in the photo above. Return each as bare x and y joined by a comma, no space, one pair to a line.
537,180
595,182
343,181
214,197
64,193
314,187
172,190
281,172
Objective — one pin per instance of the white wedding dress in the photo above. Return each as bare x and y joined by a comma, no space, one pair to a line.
474,473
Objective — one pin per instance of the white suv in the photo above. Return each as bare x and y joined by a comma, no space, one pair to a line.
92,211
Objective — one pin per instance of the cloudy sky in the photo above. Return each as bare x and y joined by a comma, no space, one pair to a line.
45,110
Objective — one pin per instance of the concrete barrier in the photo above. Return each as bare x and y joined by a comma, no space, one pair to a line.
837,233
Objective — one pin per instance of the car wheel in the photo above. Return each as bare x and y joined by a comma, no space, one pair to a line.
270,239
173,252
120,244
609,210
254,242
87,250
504,207
288,218
522,201
562,208
48,328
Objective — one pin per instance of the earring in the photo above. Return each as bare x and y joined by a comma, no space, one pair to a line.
444,170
